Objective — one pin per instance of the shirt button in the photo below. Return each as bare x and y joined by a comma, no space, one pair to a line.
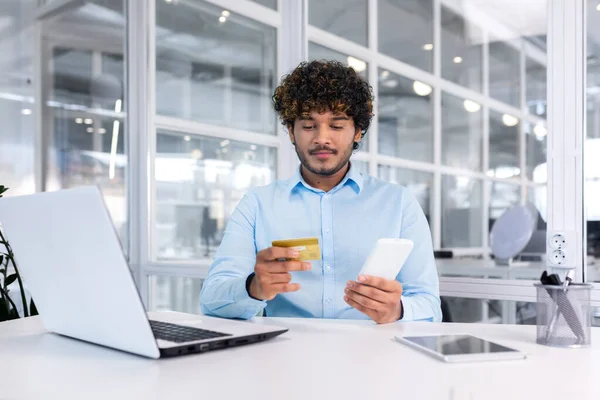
327,230
327,301
327,268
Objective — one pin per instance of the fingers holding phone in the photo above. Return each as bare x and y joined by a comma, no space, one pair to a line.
378,298
377,293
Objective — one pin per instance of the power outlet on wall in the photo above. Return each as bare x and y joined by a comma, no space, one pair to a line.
558,241
560,249
558,258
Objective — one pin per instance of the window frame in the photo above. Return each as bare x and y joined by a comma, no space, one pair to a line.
293,35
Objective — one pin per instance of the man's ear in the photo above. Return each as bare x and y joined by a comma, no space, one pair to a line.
358,135
291,133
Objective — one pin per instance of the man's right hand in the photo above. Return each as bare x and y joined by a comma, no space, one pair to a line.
272,276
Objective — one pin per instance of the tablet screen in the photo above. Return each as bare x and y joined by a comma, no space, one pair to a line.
457,344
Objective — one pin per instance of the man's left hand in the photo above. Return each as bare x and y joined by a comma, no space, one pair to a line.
376,297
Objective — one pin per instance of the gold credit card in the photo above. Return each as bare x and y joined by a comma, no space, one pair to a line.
307,247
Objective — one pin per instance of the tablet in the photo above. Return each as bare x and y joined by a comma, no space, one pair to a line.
461,348
387,258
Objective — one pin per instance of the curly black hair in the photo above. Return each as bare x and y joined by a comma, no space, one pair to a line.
324,86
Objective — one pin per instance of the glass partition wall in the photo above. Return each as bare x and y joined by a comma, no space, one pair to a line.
462,119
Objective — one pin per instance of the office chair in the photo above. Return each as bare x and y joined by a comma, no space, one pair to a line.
446,314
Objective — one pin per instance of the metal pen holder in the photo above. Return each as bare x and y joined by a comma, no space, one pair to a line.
564,315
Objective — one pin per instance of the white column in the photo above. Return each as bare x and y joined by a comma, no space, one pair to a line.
294,50
566,123
373,132
141,135
436,191
44,127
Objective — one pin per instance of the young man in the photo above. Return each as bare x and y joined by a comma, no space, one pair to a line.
327,109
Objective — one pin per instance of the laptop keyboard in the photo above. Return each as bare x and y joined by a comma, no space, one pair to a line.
179,333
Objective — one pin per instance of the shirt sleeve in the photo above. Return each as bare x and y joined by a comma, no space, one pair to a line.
224,291
419,278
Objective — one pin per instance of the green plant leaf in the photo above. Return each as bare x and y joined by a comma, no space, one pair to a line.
13,314
3,311
10,279
33,309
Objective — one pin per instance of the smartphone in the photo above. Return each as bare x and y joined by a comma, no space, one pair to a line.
387,258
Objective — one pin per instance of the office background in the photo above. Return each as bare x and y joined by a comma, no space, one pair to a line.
460,117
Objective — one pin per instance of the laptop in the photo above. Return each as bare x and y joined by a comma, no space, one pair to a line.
71,261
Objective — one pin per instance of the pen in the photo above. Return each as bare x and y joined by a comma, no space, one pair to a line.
551,280
568,311
568,280
562,305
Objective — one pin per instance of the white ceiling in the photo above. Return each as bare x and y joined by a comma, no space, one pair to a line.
509,18
504,17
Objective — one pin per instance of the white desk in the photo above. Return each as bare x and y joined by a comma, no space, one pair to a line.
316,359
470,268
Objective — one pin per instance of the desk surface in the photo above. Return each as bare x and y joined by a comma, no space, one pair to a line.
321,359
489,269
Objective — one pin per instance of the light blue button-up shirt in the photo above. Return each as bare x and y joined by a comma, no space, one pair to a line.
348,220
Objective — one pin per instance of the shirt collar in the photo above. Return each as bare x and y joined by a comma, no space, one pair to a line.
353,177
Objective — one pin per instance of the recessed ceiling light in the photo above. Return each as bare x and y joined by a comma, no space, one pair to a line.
79,120
224,143
509,120
88,121
26,111
358,65
253,147
540,109
422,89
222,19
187,138
385,74
196,154
225,13
471,106
90,130
598,7
428,47
102,131
458,60
540,131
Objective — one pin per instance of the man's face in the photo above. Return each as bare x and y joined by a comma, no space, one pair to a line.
324,142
